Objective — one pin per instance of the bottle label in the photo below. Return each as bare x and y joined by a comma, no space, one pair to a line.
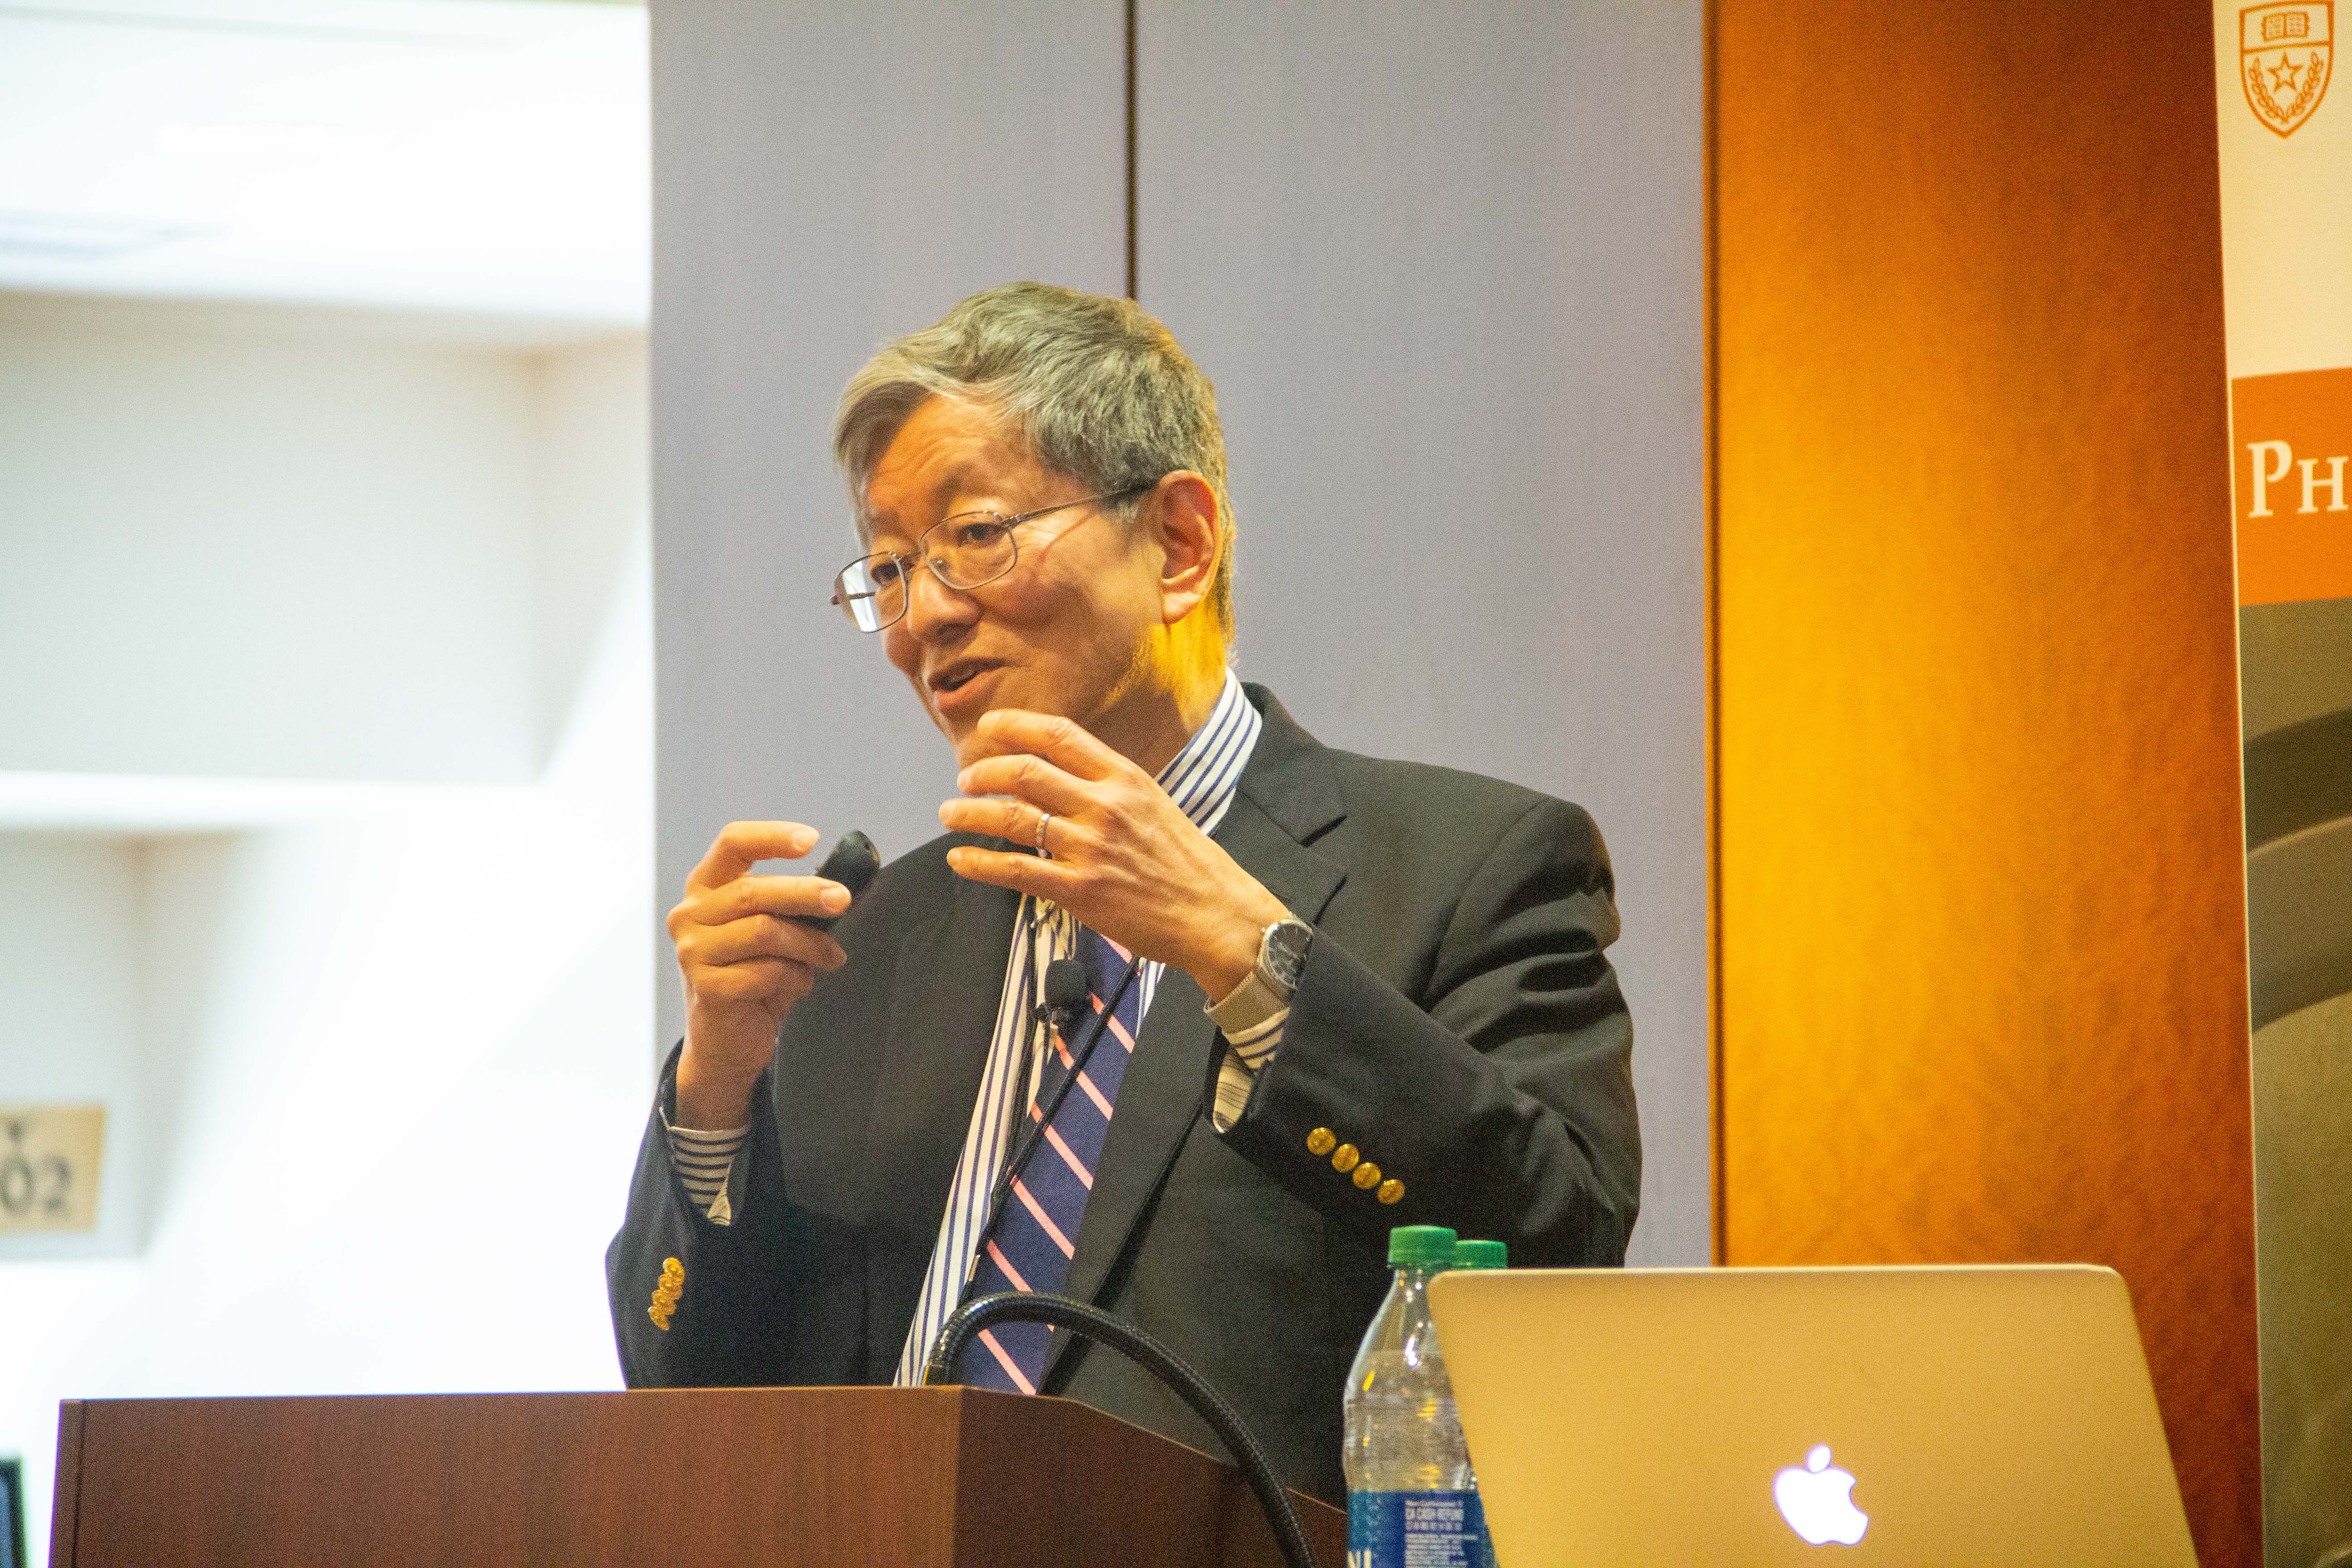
1417,1529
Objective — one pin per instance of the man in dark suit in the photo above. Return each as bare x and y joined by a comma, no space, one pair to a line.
1356,993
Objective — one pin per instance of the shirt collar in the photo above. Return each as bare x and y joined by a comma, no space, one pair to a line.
1202,778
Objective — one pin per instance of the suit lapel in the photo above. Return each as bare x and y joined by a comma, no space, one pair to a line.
1162,1097
950,974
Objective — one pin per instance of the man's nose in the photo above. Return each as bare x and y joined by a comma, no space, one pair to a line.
933,607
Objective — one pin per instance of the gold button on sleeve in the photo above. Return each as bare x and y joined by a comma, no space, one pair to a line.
1344,1158
1321,1142
667,1292
1390,1191
1366,1176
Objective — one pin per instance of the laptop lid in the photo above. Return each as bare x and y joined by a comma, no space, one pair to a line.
1810,1415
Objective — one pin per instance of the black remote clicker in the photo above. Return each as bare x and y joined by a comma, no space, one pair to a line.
852,863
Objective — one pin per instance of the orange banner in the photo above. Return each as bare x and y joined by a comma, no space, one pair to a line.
2293,436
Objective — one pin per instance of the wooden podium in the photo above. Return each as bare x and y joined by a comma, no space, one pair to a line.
829,1476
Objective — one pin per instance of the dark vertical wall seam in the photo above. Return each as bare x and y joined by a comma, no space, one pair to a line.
1710,243
1130,150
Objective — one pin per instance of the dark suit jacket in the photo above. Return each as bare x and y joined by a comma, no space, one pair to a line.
1457,1023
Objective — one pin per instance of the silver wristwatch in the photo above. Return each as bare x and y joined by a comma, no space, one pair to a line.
1281,960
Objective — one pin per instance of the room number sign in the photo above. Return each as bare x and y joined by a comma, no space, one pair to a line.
48,1166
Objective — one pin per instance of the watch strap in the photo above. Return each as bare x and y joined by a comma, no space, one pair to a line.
1264,991
1252,1003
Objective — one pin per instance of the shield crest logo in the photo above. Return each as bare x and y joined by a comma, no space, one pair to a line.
2286,55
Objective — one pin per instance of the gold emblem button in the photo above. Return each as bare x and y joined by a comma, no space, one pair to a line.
1344,1158
1366,1176
665,1293
1321,1142
1390,1191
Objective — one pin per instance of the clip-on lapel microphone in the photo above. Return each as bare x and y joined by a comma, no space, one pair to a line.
1063,997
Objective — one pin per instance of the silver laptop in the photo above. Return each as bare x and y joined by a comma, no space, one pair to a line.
1810,1415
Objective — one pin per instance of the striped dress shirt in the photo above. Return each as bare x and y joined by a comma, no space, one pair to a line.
1201,781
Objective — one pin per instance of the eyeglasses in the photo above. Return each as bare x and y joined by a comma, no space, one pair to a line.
966,550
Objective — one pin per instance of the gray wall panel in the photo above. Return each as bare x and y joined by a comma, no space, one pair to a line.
826,177
1444,265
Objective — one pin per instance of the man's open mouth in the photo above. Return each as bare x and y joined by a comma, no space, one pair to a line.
958,674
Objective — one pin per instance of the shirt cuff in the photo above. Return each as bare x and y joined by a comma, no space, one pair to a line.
1247,1051
705,1159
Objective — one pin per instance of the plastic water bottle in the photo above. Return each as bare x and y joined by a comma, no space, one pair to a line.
1412,1497
1481,1255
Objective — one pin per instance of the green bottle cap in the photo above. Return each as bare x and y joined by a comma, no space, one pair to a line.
1481,1255
1420,1247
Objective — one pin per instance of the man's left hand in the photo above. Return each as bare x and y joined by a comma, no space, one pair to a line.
1125,861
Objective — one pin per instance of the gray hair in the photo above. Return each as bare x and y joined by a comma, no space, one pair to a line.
1098,389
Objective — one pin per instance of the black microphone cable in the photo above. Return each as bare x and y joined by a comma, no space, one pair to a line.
1093,1323
1034,1133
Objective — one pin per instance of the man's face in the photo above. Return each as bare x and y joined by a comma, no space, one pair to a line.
1065,632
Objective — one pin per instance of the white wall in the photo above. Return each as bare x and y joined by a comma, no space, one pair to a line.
589,467
387,1055
451,154
73,973
225,553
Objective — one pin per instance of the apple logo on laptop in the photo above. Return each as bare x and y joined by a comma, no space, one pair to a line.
1815,1500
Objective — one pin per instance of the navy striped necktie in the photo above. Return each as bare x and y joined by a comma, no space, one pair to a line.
1030,1246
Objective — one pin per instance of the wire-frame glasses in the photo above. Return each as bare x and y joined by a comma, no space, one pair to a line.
965,551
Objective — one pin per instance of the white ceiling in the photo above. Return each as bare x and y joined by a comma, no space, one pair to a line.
482,156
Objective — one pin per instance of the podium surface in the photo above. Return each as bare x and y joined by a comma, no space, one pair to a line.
788,1476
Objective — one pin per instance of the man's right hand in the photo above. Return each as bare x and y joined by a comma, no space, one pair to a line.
745,960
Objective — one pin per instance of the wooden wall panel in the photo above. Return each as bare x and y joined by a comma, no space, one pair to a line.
1979,930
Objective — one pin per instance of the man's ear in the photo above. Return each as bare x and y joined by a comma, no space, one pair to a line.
1183,514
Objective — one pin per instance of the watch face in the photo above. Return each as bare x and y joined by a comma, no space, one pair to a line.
1285,950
